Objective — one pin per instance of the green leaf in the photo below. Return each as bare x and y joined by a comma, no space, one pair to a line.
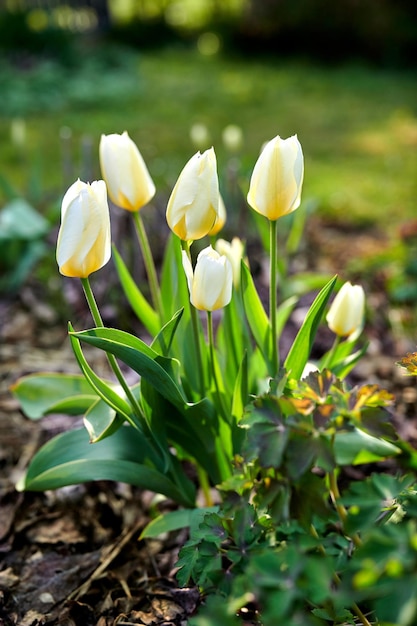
174,289
175,520
255,313
143,310
300,350
101,421
42,394
104,390
166,335
19,220
137,355
356,447
70,459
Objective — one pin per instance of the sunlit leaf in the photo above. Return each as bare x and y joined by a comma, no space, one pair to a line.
101,421
41,394
103,389
356,447
137,355
301,348
255,313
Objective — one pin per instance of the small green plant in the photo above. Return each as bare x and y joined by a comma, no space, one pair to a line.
286,543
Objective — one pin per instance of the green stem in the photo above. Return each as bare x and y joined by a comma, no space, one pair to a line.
185,245
273,295
341,511
149,264
111,358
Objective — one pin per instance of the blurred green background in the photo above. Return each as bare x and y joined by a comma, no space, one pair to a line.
181,75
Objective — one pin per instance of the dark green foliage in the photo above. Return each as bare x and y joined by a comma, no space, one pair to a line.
285,546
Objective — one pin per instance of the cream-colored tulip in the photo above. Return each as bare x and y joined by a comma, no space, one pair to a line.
128,181
347,310
83,245
210,284
277,178
194,203
234,252
221,219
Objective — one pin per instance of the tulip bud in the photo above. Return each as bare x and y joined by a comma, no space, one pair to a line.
194,203
277,178
210,285
347,310
221,219
123,168
234,252
83,245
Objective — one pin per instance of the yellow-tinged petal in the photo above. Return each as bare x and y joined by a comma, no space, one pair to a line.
83,245
277,178
210,284
129,183
347,310
194,202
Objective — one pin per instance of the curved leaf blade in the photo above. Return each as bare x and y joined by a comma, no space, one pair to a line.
300,350
42,394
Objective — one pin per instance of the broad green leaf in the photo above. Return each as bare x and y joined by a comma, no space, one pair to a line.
103,389
42,394
300,350
356,447
70,459
101,421
175,520
143,310
137,355
255,313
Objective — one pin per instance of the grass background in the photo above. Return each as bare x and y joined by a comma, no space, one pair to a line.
357,125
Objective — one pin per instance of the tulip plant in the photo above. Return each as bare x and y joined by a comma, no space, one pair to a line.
267,437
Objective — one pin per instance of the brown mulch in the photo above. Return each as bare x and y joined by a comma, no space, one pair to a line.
74,556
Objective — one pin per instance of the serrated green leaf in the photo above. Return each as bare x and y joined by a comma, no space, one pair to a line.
42,394
300,350
143,310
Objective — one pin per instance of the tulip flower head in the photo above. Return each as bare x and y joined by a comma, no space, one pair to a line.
83,245
234,252
128,181
210,284
194,203
277,178
221,219
347,310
